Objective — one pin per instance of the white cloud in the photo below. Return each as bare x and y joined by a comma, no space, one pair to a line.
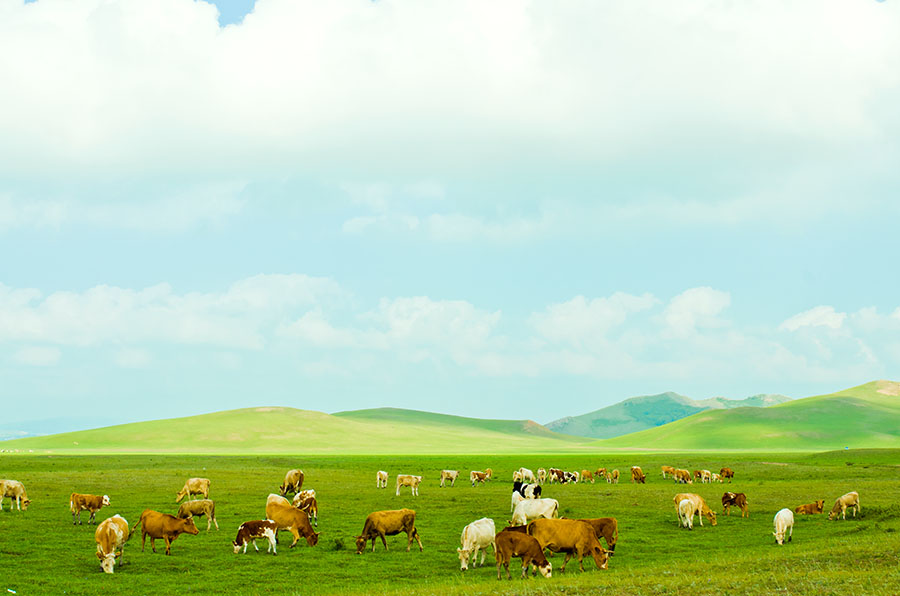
820,316
695,308
582,322
37,356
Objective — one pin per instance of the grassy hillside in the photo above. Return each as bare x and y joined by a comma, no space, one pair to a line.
288,430
649,411
867,416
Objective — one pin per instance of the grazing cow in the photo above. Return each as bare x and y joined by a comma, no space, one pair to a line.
667,470
527,475
249,531
685,510
305,500
15,490
571,477
738,500
556,475
517,476
612,477
529,491
716,478
165,526
600,473
705,476
450,475
607,528
193,486
510,544
388,523
727,473
637,475
811,508
287,517
682,476
697,475
476,536
516,498
293,482
477,477
850,500
488,474
542,475
381,478
569,536
111,536
700,507
79,502
199,509
784,523
409,480
530,509
587,475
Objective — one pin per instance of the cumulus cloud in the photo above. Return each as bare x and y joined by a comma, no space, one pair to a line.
820,316
694,308
583,322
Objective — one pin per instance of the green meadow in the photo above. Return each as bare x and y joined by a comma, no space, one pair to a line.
41,552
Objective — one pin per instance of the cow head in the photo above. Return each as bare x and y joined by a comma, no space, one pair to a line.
282,490
25,503
360,544
313,539
779,537
820,505
711,516
189,526
601,557
107,562
237,547
106,500
546,569
463,558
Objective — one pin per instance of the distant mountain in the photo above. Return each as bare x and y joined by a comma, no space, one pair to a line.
867,416
649,411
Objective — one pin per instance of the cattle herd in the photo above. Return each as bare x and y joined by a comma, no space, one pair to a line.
534,528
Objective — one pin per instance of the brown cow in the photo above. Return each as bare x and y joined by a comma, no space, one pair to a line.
293,482
682,476
111,536
587,475
304,501
612,477
556,475
569,536
600,473
199,509
388,523
475,476
667,470
698,475
79,502
287,517
606,527
514,543
700,507
637,475
15,490
488,474
811,508
193,486
739,500
726,473
165,526
249,531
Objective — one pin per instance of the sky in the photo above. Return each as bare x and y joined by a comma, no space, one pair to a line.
505,210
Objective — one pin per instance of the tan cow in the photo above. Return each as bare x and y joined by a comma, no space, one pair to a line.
705,476
475,476
249,531
811,508
600,473
607,528
716,478
637,475
587,475
682,476
700,507
381,478
542,475
388,523
667,470
450,475
409,480
79,502
850,500
15,490
698,475
199,509
510,544
612,477
305,500
193,486
739,500
293,482
727,473
287,517
111,536
488,474
569,536
165,526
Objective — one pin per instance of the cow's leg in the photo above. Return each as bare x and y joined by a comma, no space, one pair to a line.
153,544
92,520
383,541
168,544
215,522
296,534
209,522
143,540
74,523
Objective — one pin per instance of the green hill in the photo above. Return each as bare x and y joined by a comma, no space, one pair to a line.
288,430
649,411
867,416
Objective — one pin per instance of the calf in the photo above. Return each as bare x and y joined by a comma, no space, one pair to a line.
111,536
249,531
600,473
784,523
738,500
727,473
165,526
705,476
450,475
476,536
530,509
409,480
811,508
287,517
529,491
637,475
685,510
571,477
667,470
612,477
700,507
556,475
79,502
850,500
569,536
293,482
305,501
587,475
488,474
193,486
199,509
477,477
517,544
388,523
381,478
682,476
527,475
15,490
607,528
542,475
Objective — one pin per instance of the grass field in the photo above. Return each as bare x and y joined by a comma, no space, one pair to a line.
42,553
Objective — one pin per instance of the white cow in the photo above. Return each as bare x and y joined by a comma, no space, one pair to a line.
686,513
15,490
111,536
381,478
705,476
517,498
409,480
530,509
477,535
526,475
784,523
450,475
542,475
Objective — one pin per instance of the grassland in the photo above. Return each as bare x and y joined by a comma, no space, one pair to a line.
42,553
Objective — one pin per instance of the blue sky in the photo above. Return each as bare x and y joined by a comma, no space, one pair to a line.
511,210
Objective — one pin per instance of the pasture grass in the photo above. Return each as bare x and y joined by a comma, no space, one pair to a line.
41,552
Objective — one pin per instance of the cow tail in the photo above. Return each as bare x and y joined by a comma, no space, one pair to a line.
135,527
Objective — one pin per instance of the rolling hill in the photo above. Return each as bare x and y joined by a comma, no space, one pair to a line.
273,430
867,416
649,411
